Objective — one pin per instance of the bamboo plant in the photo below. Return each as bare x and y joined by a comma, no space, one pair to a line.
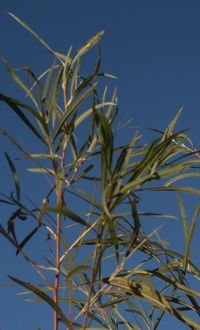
100,264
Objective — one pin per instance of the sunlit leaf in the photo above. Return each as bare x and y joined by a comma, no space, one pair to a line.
20,82
52,104
147,291
172,124
89,44
190,237
67,213
71,110
27,27
181,177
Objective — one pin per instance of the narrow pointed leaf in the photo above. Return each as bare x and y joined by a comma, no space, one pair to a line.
147,292
52,99
190,237
28,28
74,79
85,196
43,296
15,176
26,239
181,177
88,112
89,44
184,217
22,116
172,124
67,213
77,269
20,82
71,110
11,101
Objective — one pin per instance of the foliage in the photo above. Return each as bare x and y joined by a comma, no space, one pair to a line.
90,212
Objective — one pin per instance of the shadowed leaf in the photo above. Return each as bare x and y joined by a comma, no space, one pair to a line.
43,296
15,176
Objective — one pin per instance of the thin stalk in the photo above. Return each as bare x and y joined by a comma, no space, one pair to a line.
59,194
57,257
58,185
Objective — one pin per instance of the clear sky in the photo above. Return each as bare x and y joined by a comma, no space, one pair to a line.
153,47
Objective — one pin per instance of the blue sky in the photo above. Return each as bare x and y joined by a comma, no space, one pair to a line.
153,47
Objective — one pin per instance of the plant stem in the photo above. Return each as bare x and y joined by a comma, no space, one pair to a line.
57,258
59,194
94,271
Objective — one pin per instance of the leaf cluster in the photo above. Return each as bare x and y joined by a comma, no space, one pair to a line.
102,271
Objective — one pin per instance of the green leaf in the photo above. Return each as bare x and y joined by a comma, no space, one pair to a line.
136,219
26,239
190,237
27,27
172,124
74,79
11,223
86,197
113,103
43,156
184,217
88,112
181,177
52,106
77,269
105,137
146,291
22,116
41,170
20,82
89,44
40,120
67,213
175,188
43,296
176,284
88,80
49,73
15,176
83,173
120,161
71,110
